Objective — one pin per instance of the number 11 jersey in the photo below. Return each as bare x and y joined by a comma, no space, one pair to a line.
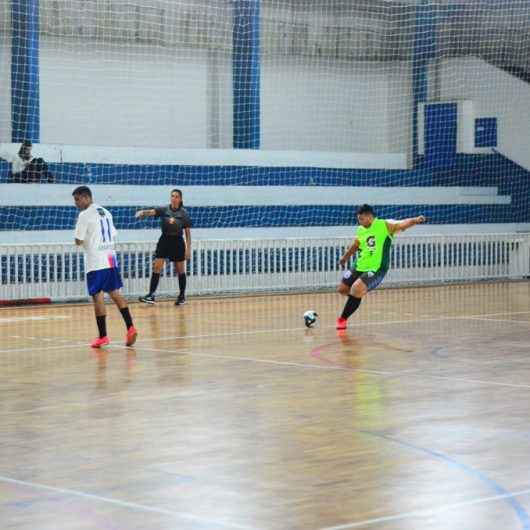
95,228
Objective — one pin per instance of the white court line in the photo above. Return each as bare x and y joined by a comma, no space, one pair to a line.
477,381
407,373
273,331
58,347
14,320
299,328
484,319
121,504
154,339
227,334
427,513
285,330
328,367
67,406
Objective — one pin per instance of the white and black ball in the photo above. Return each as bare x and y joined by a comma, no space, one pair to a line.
310,318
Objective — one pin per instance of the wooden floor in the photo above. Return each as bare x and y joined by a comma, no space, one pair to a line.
229,414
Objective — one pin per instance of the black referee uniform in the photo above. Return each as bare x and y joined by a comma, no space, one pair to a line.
170,246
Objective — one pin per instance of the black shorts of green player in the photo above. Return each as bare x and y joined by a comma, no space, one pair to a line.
372,279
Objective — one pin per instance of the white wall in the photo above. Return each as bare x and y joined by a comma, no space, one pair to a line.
237,196
494,93
348,106
123,94
94,94
133,95
209,157
65,236
5,84
400,109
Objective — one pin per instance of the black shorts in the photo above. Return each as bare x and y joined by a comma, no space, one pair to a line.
172,248
370,279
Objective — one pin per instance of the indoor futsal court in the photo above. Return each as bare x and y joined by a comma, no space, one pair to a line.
229,413
264,264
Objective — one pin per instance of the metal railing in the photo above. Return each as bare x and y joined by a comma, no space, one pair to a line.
245,266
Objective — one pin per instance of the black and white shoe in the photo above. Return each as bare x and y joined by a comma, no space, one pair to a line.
147,299
181,300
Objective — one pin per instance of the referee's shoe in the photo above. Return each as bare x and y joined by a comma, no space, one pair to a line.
147,299
181,300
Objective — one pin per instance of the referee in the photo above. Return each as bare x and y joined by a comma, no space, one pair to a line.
175,223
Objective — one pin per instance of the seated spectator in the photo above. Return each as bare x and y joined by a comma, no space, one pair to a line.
25,168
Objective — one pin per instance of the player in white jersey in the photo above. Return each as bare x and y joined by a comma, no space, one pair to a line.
95,232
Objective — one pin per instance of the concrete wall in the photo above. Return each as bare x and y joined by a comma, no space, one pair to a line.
349,106
5,73
95,94
100,95
493,93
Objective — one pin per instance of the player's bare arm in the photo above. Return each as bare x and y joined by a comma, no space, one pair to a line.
141,214
349,253
400,226
187,233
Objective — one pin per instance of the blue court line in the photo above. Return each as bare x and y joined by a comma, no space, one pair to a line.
520,511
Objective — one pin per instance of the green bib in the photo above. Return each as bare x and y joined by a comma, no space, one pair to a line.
374,247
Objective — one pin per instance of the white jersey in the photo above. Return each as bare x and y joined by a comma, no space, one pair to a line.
96,229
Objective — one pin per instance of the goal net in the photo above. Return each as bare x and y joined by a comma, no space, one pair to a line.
275,117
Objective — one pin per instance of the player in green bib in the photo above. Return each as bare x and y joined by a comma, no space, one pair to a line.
373,241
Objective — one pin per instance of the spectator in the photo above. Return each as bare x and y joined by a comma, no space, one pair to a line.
25,168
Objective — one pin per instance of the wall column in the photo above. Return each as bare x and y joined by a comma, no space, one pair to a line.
246,74
25,107
424,51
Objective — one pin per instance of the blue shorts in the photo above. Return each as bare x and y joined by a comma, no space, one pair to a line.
106,280
370,279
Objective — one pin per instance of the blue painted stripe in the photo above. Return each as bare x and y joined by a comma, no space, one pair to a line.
64,218
471,170
246,74
25,96
489,482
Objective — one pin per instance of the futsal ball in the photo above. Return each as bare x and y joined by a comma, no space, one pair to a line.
310,318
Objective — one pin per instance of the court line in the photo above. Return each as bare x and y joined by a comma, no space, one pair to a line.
300,328
192,353
58,347
302,365
427,512
484,319
463,380
406,373
154,339
41,318
121,504
471,471
331,367
272,331
317,353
